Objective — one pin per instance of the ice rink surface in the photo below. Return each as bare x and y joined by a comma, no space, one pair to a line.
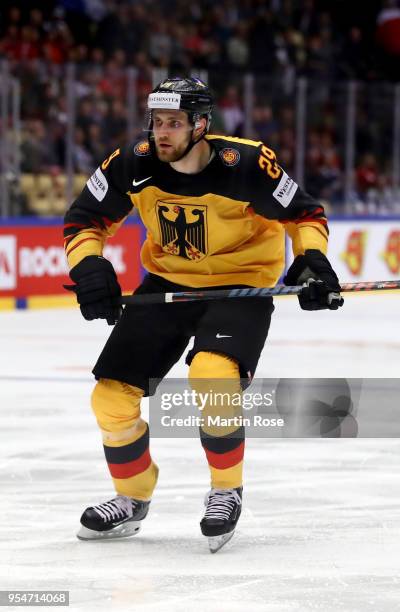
321,518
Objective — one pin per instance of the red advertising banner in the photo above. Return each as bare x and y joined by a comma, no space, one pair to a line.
32,259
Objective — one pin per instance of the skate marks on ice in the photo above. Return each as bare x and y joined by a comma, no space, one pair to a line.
320,526
319,531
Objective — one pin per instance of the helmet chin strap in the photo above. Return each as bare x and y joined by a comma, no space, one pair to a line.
191,143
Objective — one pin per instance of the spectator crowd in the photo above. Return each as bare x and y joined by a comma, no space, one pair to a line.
329,43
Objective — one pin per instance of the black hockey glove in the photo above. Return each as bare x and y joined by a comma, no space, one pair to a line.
321,285
97,289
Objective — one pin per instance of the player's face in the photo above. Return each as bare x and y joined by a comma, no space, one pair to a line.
172,133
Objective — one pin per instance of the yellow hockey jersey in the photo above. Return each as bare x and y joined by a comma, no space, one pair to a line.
222,226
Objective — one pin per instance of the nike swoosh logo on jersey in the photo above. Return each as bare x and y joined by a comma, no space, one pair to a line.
135,183
222,336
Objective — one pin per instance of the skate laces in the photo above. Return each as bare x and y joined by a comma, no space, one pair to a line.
220,503
118,507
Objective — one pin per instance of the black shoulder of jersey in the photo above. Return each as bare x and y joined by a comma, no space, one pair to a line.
234,151
131,164
139,161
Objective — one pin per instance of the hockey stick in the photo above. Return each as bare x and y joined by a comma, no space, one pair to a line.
217,294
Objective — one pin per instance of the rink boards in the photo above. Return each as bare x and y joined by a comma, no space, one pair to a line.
33,267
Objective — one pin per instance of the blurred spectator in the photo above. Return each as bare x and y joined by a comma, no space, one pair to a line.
36,21
291,51
276,40
143,73
262,36
96,9
367,174
160,45
29,45
13,18
56,45
85,114
264,125
319,56
37,151
231,109
354,56
9,44
192,42
388,28
237,47
388,38
113,30
179,59
82,158
114,126
113,82
306,18
96,145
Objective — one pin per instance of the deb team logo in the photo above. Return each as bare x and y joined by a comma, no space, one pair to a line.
229,156
8,262
142,148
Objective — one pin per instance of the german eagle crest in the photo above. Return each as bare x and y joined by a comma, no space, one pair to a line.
183,229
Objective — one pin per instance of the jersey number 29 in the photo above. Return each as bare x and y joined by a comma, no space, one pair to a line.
267,161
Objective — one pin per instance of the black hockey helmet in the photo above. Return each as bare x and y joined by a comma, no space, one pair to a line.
189,94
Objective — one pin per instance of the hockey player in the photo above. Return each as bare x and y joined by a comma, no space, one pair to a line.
216,209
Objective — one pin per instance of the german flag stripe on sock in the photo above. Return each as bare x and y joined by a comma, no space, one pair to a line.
222,444
222,461
130,459
131,468
128,452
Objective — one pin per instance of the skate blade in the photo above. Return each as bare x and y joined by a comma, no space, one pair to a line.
120,531
215,543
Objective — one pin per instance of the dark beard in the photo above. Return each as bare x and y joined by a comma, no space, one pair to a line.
173,154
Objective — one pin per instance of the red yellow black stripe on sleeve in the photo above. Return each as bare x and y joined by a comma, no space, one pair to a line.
316,215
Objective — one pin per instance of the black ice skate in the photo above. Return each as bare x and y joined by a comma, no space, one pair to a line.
118,518
223,508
